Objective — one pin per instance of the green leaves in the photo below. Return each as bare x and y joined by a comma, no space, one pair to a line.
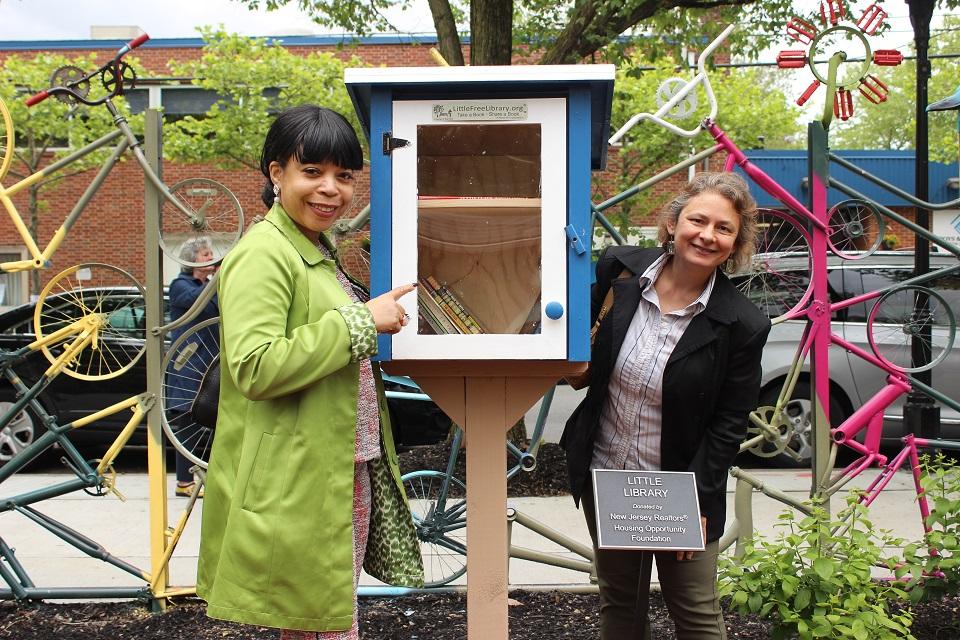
255,79
823,567
892,124
814,580
933,566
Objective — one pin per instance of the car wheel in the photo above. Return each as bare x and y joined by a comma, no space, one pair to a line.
17,434
797,415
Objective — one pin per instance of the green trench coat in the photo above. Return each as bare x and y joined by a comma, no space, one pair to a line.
276,543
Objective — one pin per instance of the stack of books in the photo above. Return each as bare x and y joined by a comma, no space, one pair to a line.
443,311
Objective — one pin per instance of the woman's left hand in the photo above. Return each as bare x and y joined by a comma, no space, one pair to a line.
688,555
388,314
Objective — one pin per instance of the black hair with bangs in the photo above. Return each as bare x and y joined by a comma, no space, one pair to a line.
310,134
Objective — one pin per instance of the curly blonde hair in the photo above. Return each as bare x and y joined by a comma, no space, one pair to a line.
730,186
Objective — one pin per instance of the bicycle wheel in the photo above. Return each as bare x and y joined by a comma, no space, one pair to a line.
6,139
185,364
215,220
112,301
907,313
854,229
778,278
441,530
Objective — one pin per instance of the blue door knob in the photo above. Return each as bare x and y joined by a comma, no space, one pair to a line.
554,310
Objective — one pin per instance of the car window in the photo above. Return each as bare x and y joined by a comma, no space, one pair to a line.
125,313
949,288
24,326
856,281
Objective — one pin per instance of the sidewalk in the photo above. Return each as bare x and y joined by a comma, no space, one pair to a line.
122,528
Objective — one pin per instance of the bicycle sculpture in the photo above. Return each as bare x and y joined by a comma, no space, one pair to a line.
850,231
801,238
90,324
192,209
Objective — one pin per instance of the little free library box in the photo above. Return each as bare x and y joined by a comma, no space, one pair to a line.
481,194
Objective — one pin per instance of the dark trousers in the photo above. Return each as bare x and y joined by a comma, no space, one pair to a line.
689,588
183,426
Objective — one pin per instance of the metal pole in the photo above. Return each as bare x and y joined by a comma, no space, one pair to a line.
156,461
920,414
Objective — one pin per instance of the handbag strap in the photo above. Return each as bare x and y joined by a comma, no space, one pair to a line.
607,304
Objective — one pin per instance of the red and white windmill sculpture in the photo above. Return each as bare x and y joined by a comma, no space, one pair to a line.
856,73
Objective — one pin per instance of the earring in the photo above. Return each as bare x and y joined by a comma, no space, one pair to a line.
729,266
276,194
670,247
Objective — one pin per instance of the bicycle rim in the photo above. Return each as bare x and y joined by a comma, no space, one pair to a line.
6,140
215,221
854,229
184,365
778,278
110,296
907,314
441,529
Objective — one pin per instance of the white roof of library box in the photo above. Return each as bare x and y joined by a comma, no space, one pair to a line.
486,82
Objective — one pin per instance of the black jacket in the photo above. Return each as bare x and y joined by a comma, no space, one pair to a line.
710,384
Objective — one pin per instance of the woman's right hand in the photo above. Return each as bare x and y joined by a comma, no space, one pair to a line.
388,314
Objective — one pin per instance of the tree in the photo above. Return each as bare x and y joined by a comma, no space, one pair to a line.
254,79
565,32
51,129
751,110
891,125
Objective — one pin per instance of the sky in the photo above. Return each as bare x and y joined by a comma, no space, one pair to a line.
71,19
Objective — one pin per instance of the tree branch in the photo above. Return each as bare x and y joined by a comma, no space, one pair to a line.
595,23
447,37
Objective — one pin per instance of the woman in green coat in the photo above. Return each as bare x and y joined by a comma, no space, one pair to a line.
301,406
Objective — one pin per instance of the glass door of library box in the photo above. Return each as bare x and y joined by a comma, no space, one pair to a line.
479,210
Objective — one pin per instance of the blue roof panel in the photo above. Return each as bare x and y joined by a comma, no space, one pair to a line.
789,169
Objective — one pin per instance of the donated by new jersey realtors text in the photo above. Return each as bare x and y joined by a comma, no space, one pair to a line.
650,510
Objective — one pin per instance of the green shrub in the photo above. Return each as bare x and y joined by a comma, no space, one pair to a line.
814,579
932,569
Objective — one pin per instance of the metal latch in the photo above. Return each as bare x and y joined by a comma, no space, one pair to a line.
575,240
390,143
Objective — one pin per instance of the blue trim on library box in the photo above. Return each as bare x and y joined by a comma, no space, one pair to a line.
381,199
578,216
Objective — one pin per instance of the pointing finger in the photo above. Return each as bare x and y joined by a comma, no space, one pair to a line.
402,290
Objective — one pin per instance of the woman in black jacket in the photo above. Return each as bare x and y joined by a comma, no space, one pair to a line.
675,371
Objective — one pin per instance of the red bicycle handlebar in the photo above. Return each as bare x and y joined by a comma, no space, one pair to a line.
122,51
37,98
133,44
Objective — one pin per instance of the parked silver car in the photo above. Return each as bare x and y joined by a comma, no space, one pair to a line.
852,379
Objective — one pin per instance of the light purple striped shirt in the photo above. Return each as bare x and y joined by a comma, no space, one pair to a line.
630,422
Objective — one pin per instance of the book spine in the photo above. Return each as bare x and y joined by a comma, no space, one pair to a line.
434,314
470,325
446,315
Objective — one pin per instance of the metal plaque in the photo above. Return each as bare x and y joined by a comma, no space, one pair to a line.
647,510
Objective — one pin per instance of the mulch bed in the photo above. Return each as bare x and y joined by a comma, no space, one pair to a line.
533,616
439,616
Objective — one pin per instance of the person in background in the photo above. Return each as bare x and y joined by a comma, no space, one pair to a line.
181,387
675,371
302,409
